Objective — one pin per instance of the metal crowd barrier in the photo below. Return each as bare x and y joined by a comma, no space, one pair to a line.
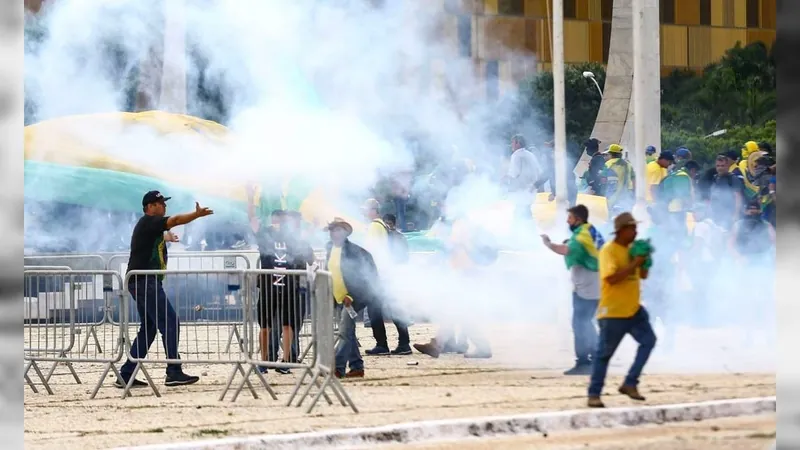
288,293
61,306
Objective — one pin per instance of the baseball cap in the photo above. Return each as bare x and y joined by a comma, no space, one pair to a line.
613,148
666,155
624,220
683,152
154,197
650,150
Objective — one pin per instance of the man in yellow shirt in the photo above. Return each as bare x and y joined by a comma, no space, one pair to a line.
377,243
650,154
354,279
655,172
620,311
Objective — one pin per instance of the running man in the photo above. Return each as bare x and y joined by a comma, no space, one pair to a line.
620,311
149,252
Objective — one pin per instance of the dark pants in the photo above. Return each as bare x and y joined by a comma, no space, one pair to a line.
400,212
583,330
379,328
611,333
156,314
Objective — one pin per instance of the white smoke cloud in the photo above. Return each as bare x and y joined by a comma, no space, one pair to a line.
327,90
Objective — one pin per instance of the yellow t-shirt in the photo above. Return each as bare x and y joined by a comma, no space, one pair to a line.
459,241
335,268
620,300
654,173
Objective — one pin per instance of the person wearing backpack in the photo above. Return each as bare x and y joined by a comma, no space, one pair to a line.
398,243
379,244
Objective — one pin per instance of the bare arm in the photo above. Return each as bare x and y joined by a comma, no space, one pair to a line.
559,249
643,273
183,219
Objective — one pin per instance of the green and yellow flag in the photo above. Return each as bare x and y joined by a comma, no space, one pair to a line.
584,246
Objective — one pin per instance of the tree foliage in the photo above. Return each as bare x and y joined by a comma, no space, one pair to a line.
738,93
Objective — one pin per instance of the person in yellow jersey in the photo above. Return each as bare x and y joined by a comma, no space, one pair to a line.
655,172
467,253
378,244
355,285
620,311
619,178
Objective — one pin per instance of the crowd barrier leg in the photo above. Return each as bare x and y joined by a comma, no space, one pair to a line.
62,359
246,381
33,365
234,333
92,334
126,392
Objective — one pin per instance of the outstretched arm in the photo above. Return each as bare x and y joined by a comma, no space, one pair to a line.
183,219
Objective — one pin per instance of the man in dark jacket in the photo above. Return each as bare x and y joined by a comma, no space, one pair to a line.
597,166
355,285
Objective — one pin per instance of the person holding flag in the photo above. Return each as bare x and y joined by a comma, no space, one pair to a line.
580,254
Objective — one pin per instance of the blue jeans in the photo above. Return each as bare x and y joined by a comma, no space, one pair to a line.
156,314
347,351
583,330
611,333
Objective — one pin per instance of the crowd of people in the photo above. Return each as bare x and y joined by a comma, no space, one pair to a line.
697,217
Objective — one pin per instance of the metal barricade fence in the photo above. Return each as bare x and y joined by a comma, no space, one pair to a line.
74,262
278,307
167,301
65,306
196,261
322,372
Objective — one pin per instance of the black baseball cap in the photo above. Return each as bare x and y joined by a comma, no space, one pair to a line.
666,155
154,197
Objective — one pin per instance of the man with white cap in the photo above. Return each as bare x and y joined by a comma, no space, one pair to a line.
620,311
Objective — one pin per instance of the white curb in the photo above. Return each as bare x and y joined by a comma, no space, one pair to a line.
486,427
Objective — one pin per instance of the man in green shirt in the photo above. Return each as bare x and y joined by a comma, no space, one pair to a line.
676,196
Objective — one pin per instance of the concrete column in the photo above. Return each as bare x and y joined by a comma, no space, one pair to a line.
647,87
173,75
610,126
559,113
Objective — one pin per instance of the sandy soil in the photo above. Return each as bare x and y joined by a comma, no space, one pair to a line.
738,433
525,376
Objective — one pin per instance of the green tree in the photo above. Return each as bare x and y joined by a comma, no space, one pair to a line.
581,101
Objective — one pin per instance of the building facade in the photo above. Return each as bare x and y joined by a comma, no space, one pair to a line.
694,33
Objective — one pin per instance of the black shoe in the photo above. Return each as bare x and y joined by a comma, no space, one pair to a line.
283,370
402,350
580,369
121,382
377,351
180,379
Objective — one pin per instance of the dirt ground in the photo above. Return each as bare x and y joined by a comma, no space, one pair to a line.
523,377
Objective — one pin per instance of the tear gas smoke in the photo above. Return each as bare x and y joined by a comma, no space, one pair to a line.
331,91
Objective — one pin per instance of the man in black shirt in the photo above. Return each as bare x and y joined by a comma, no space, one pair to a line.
149,252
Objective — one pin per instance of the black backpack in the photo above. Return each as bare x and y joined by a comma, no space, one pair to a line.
398,244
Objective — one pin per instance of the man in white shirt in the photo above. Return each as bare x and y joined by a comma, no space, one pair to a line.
523,172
